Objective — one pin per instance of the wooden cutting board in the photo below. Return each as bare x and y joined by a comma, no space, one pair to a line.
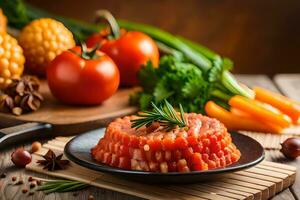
260,182
61,115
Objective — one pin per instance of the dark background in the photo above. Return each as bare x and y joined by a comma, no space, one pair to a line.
261,36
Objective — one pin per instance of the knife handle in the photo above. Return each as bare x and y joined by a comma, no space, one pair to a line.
23,132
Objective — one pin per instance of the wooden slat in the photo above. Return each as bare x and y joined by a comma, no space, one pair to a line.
256,193
270,185
246,195
278,165
278,182
260,182
217,191
263,189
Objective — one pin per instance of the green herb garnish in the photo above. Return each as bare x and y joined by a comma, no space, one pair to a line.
50,186
166,115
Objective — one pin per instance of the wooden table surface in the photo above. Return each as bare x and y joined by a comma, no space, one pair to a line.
9,191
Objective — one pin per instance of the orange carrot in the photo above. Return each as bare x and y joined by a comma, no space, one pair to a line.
239,112
234,122
284,104
260,112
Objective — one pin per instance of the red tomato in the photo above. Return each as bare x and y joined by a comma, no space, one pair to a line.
76,80
130,51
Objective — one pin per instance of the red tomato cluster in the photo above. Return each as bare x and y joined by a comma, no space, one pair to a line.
91,75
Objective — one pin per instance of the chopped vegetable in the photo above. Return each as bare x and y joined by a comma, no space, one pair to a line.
284,104
235,122
259,111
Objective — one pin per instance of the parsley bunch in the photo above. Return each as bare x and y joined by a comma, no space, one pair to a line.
178,81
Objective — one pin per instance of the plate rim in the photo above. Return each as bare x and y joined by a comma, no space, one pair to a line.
114,170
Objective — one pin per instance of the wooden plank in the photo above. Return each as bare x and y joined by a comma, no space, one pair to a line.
284,195
288,85
257,80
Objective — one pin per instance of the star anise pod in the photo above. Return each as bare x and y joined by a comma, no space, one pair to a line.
6,103
22,85
30,101
53,162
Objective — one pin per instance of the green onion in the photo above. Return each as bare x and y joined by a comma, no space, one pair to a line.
50,186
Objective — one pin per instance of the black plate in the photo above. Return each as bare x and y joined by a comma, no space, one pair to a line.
78,151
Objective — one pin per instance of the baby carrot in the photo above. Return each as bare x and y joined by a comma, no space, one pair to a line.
234,122
260,112
284,104
239,112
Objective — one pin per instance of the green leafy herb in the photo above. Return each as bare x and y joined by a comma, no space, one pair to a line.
166,115
50,186
176,80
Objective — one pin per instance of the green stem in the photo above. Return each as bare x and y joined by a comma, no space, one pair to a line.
59,187
232,85
221,95
79,186
105,14
205,51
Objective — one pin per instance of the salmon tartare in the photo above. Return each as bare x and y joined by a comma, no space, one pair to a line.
204,144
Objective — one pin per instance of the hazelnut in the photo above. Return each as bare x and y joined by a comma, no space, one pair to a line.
291,148
21,157
30,179
24,191
35,146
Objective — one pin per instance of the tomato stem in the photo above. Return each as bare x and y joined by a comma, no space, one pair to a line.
113,24
85,53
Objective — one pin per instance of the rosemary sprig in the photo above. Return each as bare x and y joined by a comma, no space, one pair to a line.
165,114
50,186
